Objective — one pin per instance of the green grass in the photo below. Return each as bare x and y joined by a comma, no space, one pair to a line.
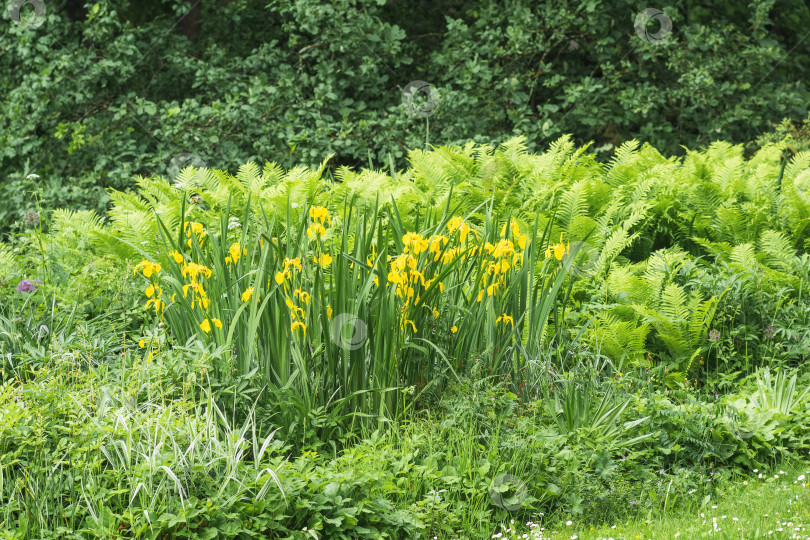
777,505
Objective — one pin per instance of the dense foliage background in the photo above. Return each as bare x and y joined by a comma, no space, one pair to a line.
564,290
98,92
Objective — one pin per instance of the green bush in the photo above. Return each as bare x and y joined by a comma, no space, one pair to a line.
104,91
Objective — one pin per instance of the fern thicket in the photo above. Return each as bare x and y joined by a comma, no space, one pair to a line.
642,217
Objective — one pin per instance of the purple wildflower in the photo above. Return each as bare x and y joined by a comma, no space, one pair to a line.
27,286
714,335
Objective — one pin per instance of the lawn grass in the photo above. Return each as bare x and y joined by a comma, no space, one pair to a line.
777,505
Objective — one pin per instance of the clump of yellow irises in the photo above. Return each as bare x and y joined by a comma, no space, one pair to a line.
297,313
407,273
320,216
196,272
289,264
411,273
153,291
235,252
499,258
194,230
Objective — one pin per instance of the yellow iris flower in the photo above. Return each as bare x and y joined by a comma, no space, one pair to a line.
320,214
148,267
236,252
323,260
298,325
506,319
